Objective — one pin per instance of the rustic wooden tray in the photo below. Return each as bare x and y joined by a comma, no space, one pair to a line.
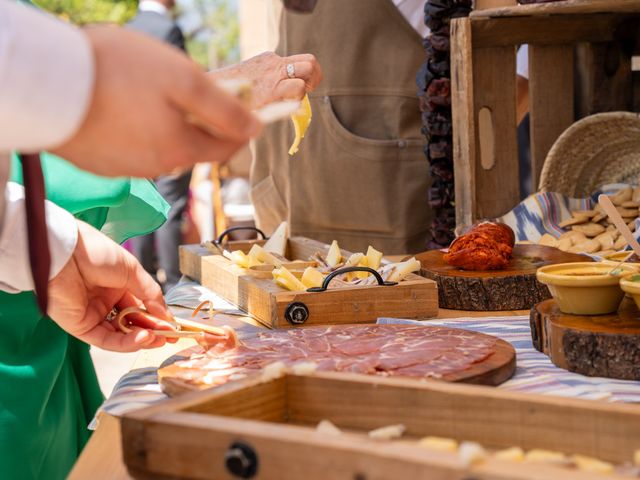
276,307
266,430
596,345
514,288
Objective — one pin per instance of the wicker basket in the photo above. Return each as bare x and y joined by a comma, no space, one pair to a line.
599,149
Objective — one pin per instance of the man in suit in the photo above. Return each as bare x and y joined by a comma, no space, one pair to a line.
154,18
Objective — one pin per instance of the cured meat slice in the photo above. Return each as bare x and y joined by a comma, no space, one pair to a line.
397,350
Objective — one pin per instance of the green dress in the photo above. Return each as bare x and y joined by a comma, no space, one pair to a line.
48,387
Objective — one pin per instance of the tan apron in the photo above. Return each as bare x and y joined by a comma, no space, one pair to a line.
360,176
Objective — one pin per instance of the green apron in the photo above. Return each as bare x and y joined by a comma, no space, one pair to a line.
48,387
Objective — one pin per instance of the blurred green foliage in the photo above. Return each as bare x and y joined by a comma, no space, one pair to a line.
212,43
82,12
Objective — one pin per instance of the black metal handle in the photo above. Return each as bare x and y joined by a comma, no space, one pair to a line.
340,271
235,229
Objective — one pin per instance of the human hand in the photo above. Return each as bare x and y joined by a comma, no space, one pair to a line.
153,111
99,276
268,73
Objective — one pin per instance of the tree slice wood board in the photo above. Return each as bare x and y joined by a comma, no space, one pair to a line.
514,288
597,345
494,369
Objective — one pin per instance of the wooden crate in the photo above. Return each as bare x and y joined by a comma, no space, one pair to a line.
201,435
592,37
276,307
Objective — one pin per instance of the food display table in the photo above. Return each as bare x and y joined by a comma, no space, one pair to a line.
102,457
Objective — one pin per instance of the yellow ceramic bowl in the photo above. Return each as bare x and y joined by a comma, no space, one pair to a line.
631,287
618,257
584,288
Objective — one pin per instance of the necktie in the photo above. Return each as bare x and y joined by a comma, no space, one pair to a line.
39,256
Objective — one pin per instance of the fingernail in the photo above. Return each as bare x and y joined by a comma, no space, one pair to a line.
143,336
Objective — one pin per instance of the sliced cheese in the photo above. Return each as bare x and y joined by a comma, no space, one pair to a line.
334,256
258,256
440,443
546,456
288,280
364,262
312,277
388,433
353,261
589,464
403,269
471,453
374,258
239,258
326,427
277,243
513,454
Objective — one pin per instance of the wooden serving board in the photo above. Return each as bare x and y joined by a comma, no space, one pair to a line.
276,307
514,288
274,423
493,370
597,346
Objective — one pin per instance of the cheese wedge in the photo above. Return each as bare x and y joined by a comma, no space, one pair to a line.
239,258
259,256
440,443
364,262
403,269
353,261
512,454
334,257
374,258
277,243
301,120
288,280
312,278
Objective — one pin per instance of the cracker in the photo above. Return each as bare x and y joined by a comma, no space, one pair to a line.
589,229
548,240
620,243
589,246
631,204
627,212
599,217
564,244
584,213
621,196
573,221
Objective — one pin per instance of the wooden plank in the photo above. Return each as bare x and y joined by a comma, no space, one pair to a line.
167,439
463,118
495,418
512,31
604,79
190,260
567,7
550,100
494,88
485,4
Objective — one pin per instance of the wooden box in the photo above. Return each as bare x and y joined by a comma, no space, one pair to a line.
266,430
276,307
594,38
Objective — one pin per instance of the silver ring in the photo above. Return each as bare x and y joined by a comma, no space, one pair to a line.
291,70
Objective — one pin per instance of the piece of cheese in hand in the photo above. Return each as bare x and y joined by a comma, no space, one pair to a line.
277,242
334,256
301,120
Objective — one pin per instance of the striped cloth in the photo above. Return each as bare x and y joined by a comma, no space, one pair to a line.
542,213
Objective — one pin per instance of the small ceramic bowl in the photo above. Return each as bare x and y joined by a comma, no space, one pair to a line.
584,288
620,256
630,284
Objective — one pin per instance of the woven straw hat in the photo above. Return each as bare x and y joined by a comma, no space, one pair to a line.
599,149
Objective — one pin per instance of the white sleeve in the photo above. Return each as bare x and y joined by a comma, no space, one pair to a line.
46,79
522,61
15,273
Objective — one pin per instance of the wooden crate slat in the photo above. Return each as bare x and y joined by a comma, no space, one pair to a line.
567,7
550,100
